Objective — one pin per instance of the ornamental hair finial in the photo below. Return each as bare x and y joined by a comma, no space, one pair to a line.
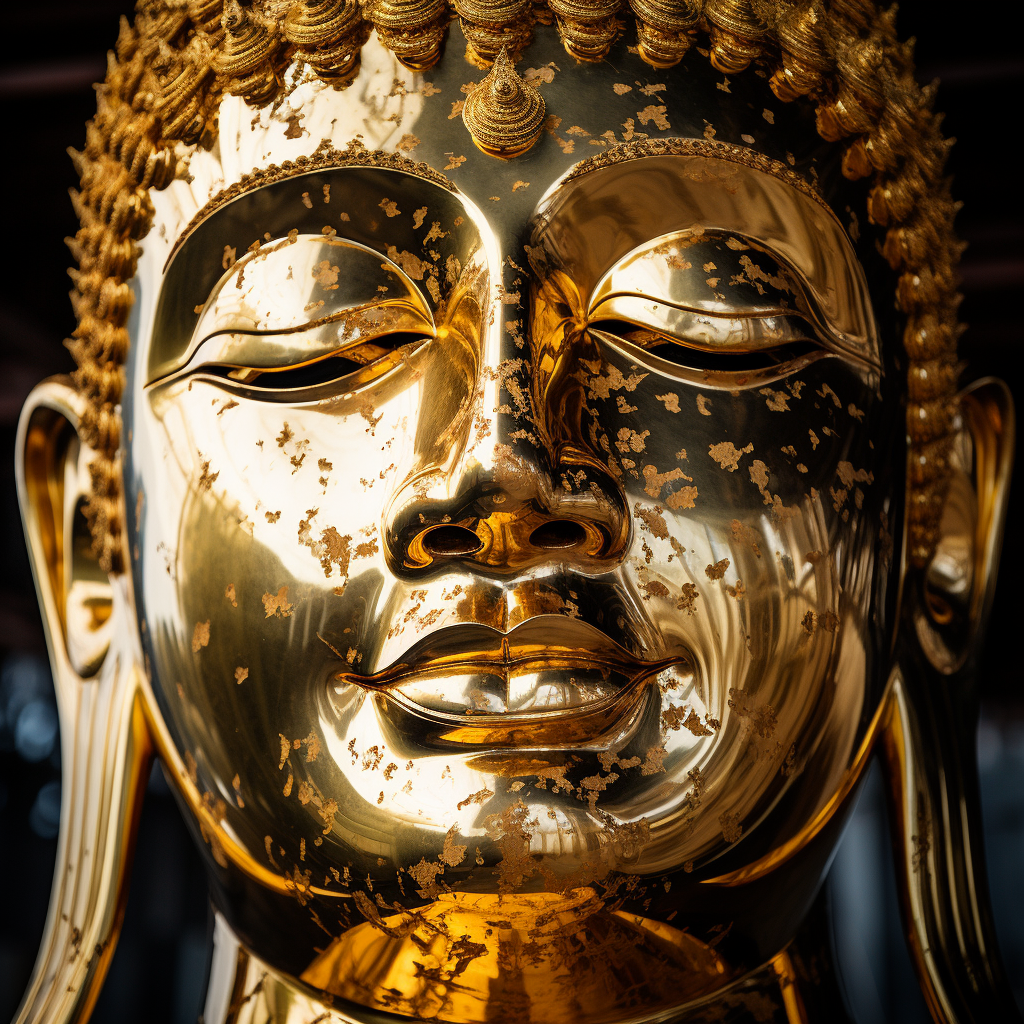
503,113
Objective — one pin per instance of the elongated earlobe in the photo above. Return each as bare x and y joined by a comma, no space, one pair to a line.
956,590
929,743
105,746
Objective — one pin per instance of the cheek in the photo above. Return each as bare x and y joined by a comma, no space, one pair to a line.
750,511
253,519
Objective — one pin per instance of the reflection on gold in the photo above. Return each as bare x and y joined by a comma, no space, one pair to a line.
513,561
543,957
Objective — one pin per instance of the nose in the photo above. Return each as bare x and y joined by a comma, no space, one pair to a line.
506,502
512,515
501,493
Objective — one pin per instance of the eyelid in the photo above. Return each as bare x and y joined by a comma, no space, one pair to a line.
280,350
715,292
700,330
300,299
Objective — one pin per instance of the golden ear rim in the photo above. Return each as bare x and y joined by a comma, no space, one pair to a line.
105,741
957,587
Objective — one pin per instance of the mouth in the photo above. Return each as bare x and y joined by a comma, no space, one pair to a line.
545,672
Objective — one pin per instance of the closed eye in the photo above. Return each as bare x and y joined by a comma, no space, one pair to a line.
696,357
727,366
368,359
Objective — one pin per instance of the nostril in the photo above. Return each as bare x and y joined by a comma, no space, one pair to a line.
556,534
451,541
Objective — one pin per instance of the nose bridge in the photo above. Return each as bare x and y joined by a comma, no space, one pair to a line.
502,501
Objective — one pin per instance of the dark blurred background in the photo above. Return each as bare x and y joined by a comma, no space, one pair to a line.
46,96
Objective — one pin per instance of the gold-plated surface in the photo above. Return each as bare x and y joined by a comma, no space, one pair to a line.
105,745
521,554
861,83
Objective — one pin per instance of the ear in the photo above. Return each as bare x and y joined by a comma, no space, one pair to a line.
105,745
928,742
75,595
954,599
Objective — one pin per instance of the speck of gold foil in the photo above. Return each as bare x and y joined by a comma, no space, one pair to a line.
731,828
727,455
717,570
452,853
241,674
479,797
542,75
656,114
200,636
277,604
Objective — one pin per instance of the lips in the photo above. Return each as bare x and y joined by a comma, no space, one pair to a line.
549,666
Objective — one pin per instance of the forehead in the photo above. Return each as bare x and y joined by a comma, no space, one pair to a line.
590,106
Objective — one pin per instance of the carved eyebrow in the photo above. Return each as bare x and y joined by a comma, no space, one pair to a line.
707,148
354,156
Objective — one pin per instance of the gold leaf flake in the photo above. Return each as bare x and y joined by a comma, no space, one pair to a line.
717,570
200,636
326,275
727,455
777,401
451,853
655,114
731,828
241,674
480,797
277,604
537,76
685,497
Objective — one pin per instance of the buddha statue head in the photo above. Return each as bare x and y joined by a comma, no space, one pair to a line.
515,478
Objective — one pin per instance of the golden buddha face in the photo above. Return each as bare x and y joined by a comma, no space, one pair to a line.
511,541
505,535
